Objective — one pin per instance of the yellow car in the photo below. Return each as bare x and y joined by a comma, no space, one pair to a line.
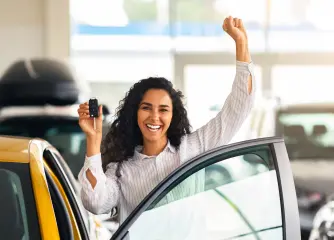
38,199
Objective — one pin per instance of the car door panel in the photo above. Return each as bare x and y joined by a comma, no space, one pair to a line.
287,188
257,205
61,211
74,226
58,171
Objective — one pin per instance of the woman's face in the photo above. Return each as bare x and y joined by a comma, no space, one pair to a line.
155,114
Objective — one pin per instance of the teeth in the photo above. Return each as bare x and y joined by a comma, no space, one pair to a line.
153,127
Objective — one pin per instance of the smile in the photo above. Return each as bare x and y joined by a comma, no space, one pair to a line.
153,128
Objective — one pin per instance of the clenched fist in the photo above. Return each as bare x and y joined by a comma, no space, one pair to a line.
235,28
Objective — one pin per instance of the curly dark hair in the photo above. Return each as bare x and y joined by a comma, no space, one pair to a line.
124,134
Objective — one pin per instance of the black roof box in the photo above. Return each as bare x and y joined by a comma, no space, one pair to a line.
38,82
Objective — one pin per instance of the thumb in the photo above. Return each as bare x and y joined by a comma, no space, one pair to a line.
99,119
100,113
241,24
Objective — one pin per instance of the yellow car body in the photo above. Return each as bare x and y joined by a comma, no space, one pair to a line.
23,165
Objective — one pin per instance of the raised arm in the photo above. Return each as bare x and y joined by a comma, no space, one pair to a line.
100,191
221,129
235,28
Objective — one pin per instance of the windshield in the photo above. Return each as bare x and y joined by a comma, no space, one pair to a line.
307,135
64,134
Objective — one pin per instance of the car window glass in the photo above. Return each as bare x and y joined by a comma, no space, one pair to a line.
308,134
234,198
64,134
18,214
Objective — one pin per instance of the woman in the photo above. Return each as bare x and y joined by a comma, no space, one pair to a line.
151,135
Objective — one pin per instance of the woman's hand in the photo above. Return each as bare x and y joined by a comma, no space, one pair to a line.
93,131
235,28
87,123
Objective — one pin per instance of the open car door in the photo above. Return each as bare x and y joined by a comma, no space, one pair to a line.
259,201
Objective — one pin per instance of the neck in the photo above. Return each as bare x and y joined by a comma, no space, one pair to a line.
154,148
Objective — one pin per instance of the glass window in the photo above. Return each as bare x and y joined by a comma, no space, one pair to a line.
200,29
117,24
213,83
18,218
305,23
307,133
151,24
64,134
302,83
111,67
238,200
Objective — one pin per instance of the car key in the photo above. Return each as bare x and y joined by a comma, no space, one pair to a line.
93,107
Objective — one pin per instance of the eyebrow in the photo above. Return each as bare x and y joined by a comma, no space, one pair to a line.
149,104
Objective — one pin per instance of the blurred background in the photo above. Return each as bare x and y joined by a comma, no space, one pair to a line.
111,44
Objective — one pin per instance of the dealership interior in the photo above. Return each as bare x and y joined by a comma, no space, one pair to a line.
273,179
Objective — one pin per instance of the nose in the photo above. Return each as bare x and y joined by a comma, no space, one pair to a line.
155,115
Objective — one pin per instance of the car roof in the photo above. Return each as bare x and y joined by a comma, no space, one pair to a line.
17,149
68,112
47,110
310,105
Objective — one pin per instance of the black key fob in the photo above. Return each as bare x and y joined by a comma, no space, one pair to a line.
93,107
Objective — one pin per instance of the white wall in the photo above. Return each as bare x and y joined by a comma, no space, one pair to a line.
109,93
33,28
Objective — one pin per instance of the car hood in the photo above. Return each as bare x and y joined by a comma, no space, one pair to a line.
314,175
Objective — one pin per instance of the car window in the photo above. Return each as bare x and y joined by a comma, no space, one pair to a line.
245,205
18,214
234,169
307,135
63,133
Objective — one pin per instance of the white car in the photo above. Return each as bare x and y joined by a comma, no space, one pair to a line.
260,206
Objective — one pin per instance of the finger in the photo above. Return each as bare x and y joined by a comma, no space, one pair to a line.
99,120
83,110
241,24
235,22
85,107
83,114
225,24
84,117
230,24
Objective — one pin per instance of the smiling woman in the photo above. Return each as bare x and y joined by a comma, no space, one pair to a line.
154,118
150,136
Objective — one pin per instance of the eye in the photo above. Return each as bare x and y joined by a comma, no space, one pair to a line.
163,110
146,108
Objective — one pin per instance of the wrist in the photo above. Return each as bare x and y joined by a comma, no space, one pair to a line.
241,40
242,52
93,145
